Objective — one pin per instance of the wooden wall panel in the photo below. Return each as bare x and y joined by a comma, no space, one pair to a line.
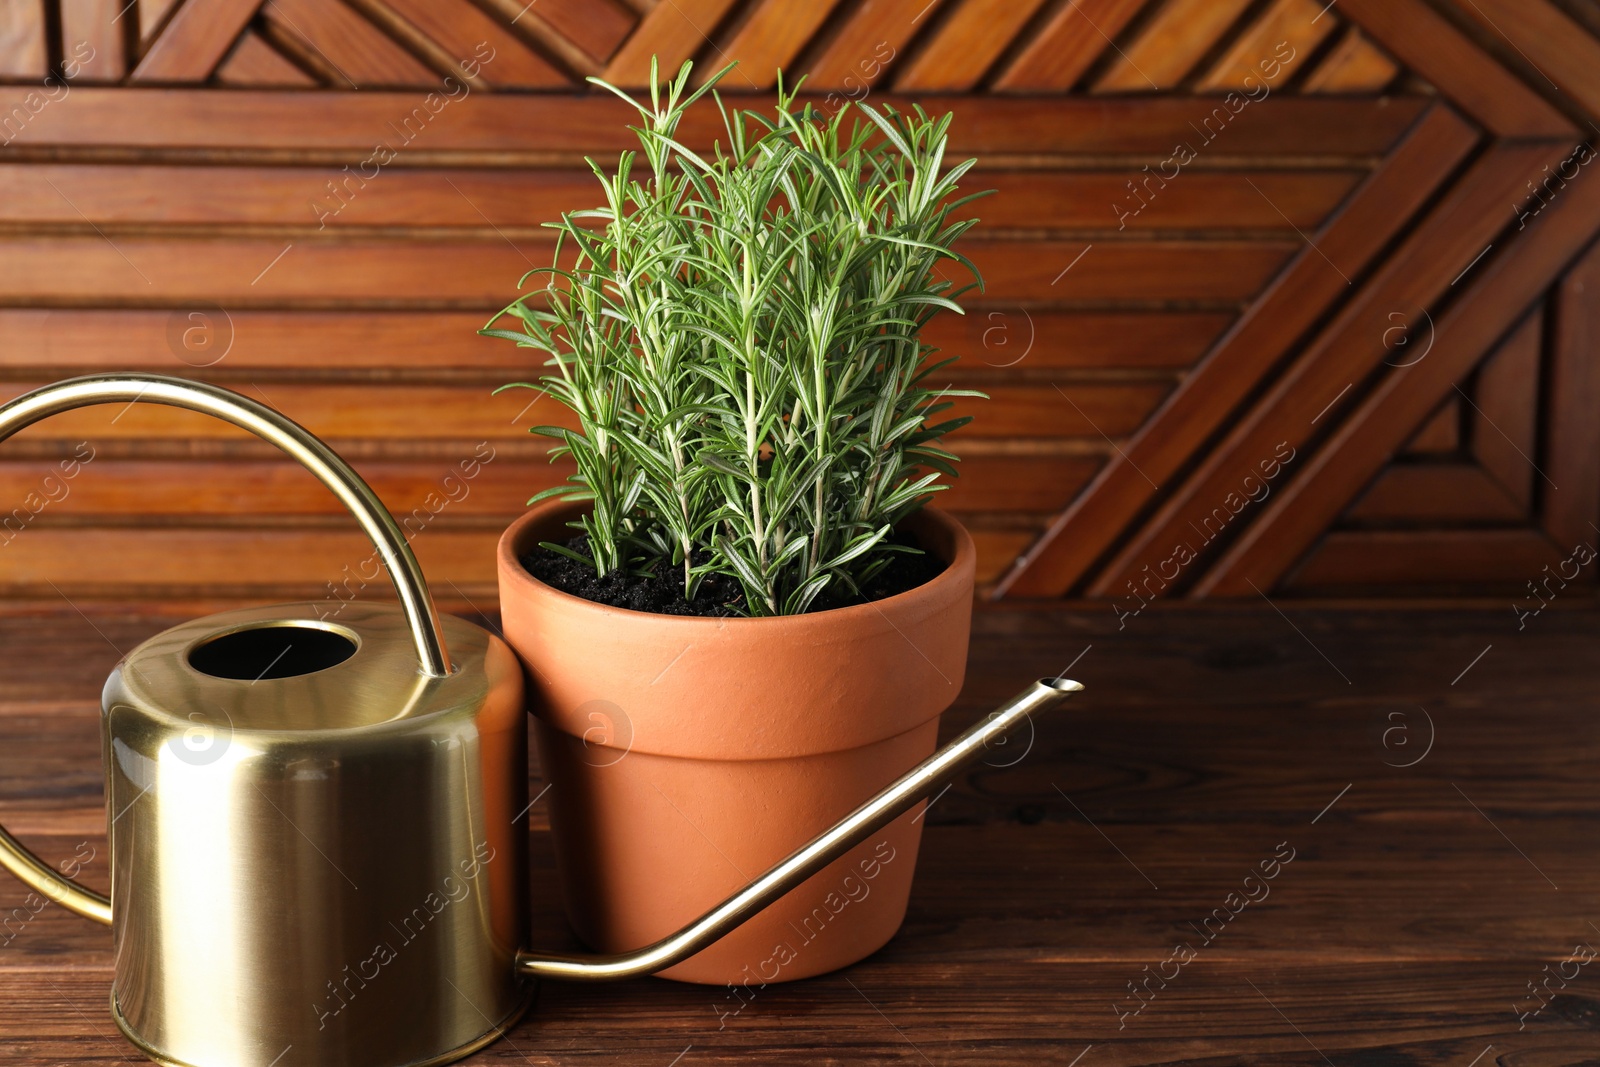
255,63
1383,259
22,39
1171,44
194,41
1068,43
326,32
94,40
965,45
1283,40
1571,514
1355,65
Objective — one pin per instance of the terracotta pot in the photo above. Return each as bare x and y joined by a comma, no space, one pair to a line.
687,755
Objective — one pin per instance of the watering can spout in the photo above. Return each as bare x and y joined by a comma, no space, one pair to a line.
800,865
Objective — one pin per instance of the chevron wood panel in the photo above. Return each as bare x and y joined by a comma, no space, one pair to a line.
1362,233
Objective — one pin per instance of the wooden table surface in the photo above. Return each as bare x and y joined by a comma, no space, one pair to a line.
1431,773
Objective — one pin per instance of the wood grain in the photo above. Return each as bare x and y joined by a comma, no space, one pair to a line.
1404,930
255,271
476,482
22,39
1355,65
1127,270
1506,289
1436,493
219,224
359,54
464,413
92,40
1423,40
1571,513
194,40
1063,49
1078,410
1029,340
1441,433
768,38
1505,415
389,342
1541,34
524,199
472,413
1170,45
463,32
1354,237
1279,42
253,62
597,27
670,34
1453,234
209,490
152,14
289,562
872,30
192,120
1204,201
964,45
990,340
483,273
1420,562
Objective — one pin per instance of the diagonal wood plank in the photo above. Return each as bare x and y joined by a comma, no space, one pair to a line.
1435,493
674,32
1505,412
966,45
1067,45
596,27
1363,442
152,14
464,33
1572,437
1442,434
358,53
1453,234
1424,41
1169,46
1282,39
770,36
1353,237
194,41
1355,65
254,62
873,34
1556,46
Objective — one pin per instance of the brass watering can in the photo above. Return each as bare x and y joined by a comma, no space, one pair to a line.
318,827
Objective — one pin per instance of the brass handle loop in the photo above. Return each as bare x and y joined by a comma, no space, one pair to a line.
294,441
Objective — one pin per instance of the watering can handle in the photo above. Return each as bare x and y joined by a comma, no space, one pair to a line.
300,445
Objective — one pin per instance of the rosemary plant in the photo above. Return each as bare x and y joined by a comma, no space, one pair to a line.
738,335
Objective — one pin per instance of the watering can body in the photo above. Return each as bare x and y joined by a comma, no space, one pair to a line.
318,822
313,864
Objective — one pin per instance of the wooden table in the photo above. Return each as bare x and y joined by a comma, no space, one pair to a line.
1420,902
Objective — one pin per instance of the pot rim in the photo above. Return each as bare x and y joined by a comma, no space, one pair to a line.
960,563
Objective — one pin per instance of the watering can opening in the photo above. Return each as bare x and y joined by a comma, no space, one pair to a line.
285,648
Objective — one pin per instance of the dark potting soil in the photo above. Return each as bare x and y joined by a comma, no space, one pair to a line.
718,595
